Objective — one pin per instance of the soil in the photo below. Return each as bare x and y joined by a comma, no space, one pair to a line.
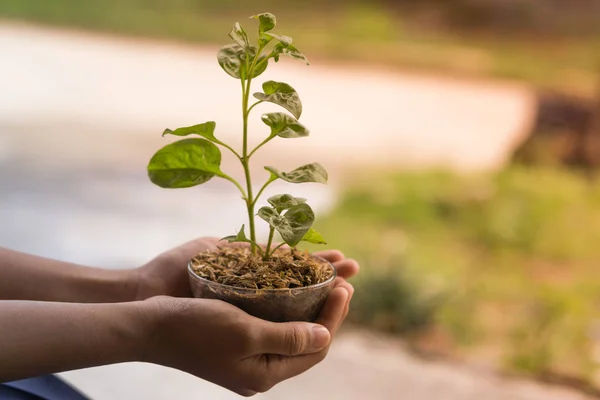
238,267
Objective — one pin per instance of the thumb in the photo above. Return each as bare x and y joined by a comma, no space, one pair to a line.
294,338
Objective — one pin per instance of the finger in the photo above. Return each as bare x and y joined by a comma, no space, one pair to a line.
350,295
332,314
190,249
347,310
246,392
342,282
201,242
293,338
332,256
225,243
346,268
331,317
297,338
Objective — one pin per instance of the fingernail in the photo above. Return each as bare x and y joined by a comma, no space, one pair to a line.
319,337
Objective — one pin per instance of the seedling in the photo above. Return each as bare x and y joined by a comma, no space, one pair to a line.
193,161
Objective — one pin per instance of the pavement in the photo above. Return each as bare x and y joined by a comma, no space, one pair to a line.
360,366
132,89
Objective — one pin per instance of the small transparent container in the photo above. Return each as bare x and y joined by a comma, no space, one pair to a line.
277,305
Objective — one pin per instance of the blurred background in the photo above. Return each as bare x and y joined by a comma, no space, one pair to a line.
462,139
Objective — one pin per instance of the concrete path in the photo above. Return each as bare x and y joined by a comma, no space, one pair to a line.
359,367
134,88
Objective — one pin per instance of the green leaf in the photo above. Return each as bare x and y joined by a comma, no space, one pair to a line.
293,225
185,163
259,68
289,50
240,237
232,58
272,87
275,220
312,236
267,213
281,94
284,126
283,202
239,36
300,219
205,130
264,39
284,40
266,21
282,225
307,173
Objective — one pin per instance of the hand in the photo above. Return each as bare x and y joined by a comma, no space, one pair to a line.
167,274
218,342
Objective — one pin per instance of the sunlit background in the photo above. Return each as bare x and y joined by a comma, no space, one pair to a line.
461,137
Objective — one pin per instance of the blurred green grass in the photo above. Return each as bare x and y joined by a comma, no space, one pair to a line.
501,267
355,31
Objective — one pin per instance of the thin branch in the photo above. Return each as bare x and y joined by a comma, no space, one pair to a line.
267,183
230,179
269,242
276,248
267,140
230,149
254,105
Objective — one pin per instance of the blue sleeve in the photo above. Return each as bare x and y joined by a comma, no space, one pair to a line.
47,387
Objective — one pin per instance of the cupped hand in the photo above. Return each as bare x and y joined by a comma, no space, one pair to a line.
167,275
220,343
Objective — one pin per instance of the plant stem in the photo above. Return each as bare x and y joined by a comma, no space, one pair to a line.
230,179
230,149
267,140
254,105
275,249
250,204
267,253
245,164
262,189
250,201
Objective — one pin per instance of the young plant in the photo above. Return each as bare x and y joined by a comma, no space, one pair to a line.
191,162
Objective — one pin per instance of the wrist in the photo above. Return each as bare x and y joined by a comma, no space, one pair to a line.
144,285
160,314
119,286
143,322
